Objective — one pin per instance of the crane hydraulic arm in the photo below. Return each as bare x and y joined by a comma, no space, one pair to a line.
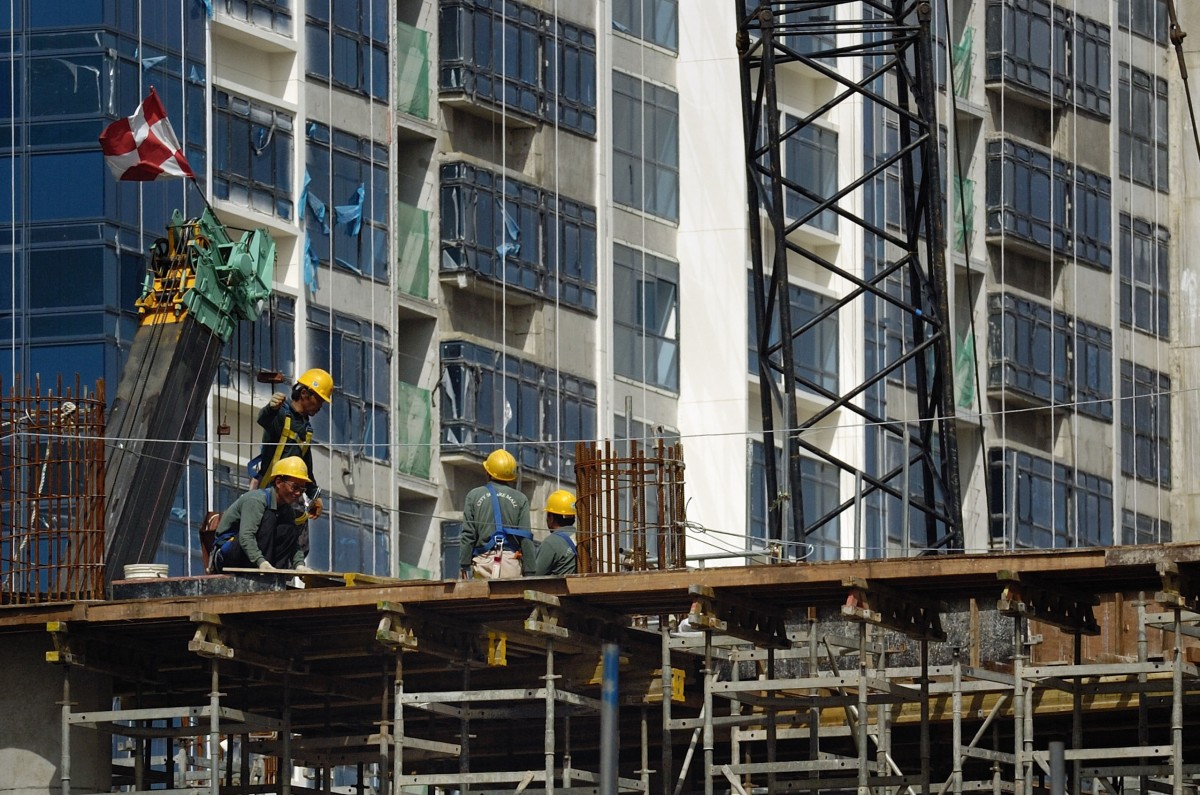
200,284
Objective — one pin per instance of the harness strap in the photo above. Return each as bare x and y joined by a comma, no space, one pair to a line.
565,536
501,534
288,435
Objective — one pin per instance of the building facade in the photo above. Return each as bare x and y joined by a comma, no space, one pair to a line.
523,224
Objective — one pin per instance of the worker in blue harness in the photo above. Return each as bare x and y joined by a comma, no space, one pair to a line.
557,554
496,542
287,428
265,528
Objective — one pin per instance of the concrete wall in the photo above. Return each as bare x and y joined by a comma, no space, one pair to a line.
31,725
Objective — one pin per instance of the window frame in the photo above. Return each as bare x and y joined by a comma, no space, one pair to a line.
1141,143
1137,238
1145,424
646,272
645,114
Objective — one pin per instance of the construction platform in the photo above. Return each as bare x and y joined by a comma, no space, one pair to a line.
952,673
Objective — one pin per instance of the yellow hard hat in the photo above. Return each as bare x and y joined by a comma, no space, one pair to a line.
291,467
561,502
318,381
501,465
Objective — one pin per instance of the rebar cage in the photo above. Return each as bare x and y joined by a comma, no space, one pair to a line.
629,509
51,493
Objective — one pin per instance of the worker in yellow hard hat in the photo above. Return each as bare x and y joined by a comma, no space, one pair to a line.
496,542
557,554
287,428
260,529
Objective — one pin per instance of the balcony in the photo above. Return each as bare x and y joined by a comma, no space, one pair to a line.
412,250
412,71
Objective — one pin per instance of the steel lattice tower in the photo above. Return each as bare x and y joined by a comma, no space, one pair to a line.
894,75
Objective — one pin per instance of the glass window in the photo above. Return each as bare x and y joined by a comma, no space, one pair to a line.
1091,362
814,349
345,208
349,49
655,21
69,85
646,319
549,71
1040,504
356,538
253,158
1147,18
1145,424
1027,45
533,239
1028,349
1092,217
1142,107
489,398
820,496
1138,528
273,15
86,175
645,146
358,355
810,163
67,277
265,345
1145,279
1027,193
77,13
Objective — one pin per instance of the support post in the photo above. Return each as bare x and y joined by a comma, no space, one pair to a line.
609,723
398,720
214,728
549,733
65,764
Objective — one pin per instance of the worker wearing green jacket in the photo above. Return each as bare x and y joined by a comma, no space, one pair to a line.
556,554
265,528
496,542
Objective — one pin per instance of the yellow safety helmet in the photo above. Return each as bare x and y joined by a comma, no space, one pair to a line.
501,465
291,467
318,381
561,502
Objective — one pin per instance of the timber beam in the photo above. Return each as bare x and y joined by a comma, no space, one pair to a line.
1180,585
757,622
1027,596
911,614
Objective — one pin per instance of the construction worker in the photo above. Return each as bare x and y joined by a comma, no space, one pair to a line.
556,554
287,427
261,529
496,541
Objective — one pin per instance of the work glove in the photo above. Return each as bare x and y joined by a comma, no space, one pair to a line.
303,567
315,508
265,565
277,400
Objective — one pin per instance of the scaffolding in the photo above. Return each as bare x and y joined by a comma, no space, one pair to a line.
738,693
51,493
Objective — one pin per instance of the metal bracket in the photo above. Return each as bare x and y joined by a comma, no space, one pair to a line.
738,616
913,615
1030,598
408,629
209,640
562,619
62,654
1180,585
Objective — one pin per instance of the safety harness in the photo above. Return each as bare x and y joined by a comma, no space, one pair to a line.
289,435
566,535
501,535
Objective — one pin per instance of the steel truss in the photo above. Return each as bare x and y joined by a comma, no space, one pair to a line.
882,62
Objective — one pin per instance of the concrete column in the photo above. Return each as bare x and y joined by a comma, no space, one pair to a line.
31,722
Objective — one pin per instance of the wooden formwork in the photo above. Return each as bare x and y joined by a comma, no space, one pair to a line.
630,508
51,493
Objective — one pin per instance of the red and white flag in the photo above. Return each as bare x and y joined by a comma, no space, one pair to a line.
143,147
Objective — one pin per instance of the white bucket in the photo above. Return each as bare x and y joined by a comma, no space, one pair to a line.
146,571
